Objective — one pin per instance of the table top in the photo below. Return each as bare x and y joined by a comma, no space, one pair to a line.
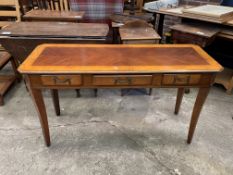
179,13
138,30
55,29
91,58
54,15
206,31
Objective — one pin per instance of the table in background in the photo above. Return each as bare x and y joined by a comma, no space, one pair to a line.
53,15
19,39
225,27
118,66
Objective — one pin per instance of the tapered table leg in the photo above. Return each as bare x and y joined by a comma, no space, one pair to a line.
78,93
95,92
179,98
201,97
55,97
40,107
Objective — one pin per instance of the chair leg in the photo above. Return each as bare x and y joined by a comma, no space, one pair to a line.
1,100
14,65
95,92
78,93
150,91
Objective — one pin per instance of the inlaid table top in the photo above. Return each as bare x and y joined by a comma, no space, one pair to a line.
76,58
53,15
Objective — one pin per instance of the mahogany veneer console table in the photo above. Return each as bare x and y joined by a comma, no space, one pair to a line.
57,66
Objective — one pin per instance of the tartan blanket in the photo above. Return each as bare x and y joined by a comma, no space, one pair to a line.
97,10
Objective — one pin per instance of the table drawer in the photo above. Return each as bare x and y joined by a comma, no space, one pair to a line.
121,80
181,79
61,80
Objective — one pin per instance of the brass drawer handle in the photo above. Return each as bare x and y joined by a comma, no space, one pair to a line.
59,81
123,81
178,79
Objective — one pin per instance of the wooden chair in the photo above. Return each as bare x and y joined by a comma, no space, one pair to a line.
134,6
60,5
9,11
6,81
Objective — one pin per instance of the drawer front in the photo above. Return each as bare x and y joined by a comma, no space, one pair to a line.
121,80
181,79
61,80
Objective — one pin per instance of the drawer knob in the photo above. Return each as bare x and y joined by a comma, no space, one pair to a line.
62,81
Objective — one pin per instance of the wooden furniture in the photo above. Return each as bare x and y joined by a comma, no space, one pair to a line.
138,32
19,39
118,66
11,13
6,81
179,13
134,6
59,5
226,79
51,15
192,33
212,13
225,29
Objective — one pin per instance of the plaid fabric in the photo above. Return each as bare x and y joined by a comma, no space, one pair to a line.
97,10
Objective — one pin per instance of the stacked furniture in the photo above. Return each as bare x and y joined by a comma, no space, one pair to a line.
59,5
9,13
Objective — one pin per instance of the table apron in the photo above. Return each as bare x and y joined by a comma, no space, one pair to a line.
159,80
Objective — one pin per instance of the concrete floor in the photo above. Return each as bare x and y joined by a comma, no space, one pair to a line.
114,135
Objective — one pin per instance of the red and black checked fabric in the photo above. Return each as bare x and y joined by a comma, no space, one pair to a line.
97,10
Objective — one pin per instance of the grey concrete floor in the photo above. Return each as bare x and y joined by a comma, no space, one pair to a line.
113,135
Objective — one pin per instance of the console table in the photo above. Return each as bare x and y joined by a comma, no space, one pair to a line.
72,66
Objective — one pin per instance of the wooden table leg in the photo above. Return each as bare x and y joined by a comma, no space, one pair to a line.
40,107
179,98
77,93
55,97
95,92
200,100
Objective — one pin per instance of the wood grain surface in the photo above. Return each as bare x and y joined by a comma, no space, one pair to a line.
75,58
55,29
53,15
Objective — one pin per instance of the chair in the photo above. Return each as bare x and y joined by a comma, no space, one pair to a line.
133,6
59,5
97,11
9,11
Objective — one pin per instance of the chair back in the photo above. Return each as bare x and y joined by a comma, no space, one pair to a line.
59,5
9,12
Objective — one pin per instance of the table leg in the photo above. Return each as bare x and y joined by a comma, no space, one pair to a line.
77,92
160,25
179,98
200,100
40,107
55,97
95,92
154,21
